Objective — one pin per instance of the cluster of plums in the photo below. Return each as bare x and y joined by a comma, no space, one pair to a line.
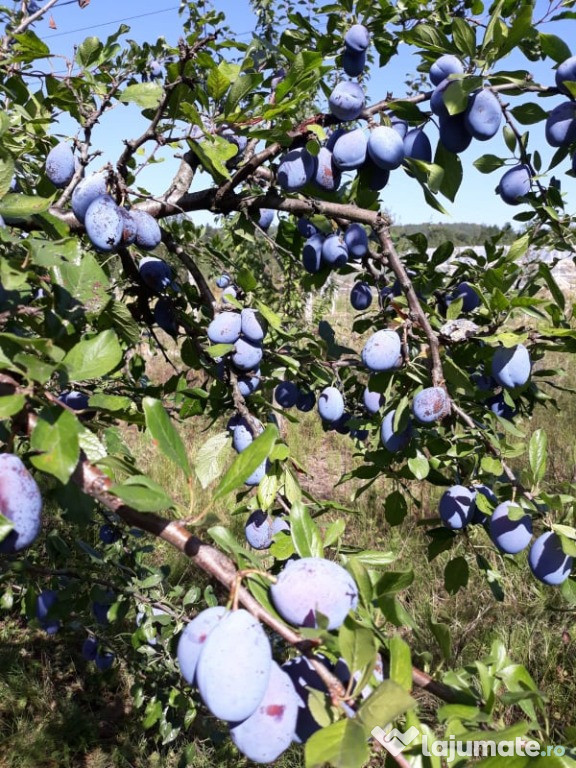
227,656
511,534
108,225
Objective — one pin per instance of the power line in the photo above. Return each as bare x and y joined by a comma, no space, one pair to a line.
109,23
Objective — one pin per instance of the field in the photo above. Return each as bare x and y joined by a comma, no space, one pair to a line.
57,712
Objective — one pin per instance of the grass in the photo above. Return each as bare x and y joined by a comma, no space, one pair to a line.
56,712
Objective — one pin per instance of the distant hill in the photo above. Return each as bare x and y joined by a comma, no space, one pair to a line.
459,233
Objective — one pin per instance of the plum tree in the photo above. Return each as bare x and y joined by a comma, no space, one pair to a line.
382,351
268,732
511,366
60,164
548,561
234,666
511,535
192,640
313,585
456,507
20,503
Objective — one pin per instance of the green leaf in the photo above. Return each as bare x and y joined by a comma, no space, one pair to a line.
538,454
341,745
19,206
88,51
164,433
419,466
143,494
211,458
305,533
488,163
441,634
213,153
247,462
95,357
386,704
11,405
456,575
400,662
217,82
55,436
357,645
6,166
528,113
242,86
5,526
464,36
554,46
509,138
145,95
453,173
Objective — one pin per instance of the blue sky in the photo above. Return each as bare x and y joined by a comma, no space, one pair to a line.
476,201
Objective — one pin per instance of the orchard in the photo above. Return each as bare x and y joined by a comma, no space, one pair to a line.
247,616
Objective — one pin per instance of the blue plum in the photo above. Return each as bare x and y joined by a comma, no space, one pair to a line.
286,394
242,435
386,147
90,648
108,534
165,316
330,404
78,401
430,405
223,281
510,536
443,67
515,184
314,585
566,72
306,400
382,351
104,224
296,169
483,114
500,407
225,328
357,38
20,502
258,530
155,273
192,640
356,241
560,129
395,441
374,177
45,601
334,251
456,507
155,69
148,232
353,62
129,226
60,165
400,126
305,227
478,516
417,145
104,660
230,292
86,191
466,293
453,133
253,325
312,253
265,219
327,175
548,561
511,366
437,104
258,475
373,401
247,355
361,296
279,524
347,100
247,385
234,667
350,149
269,731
